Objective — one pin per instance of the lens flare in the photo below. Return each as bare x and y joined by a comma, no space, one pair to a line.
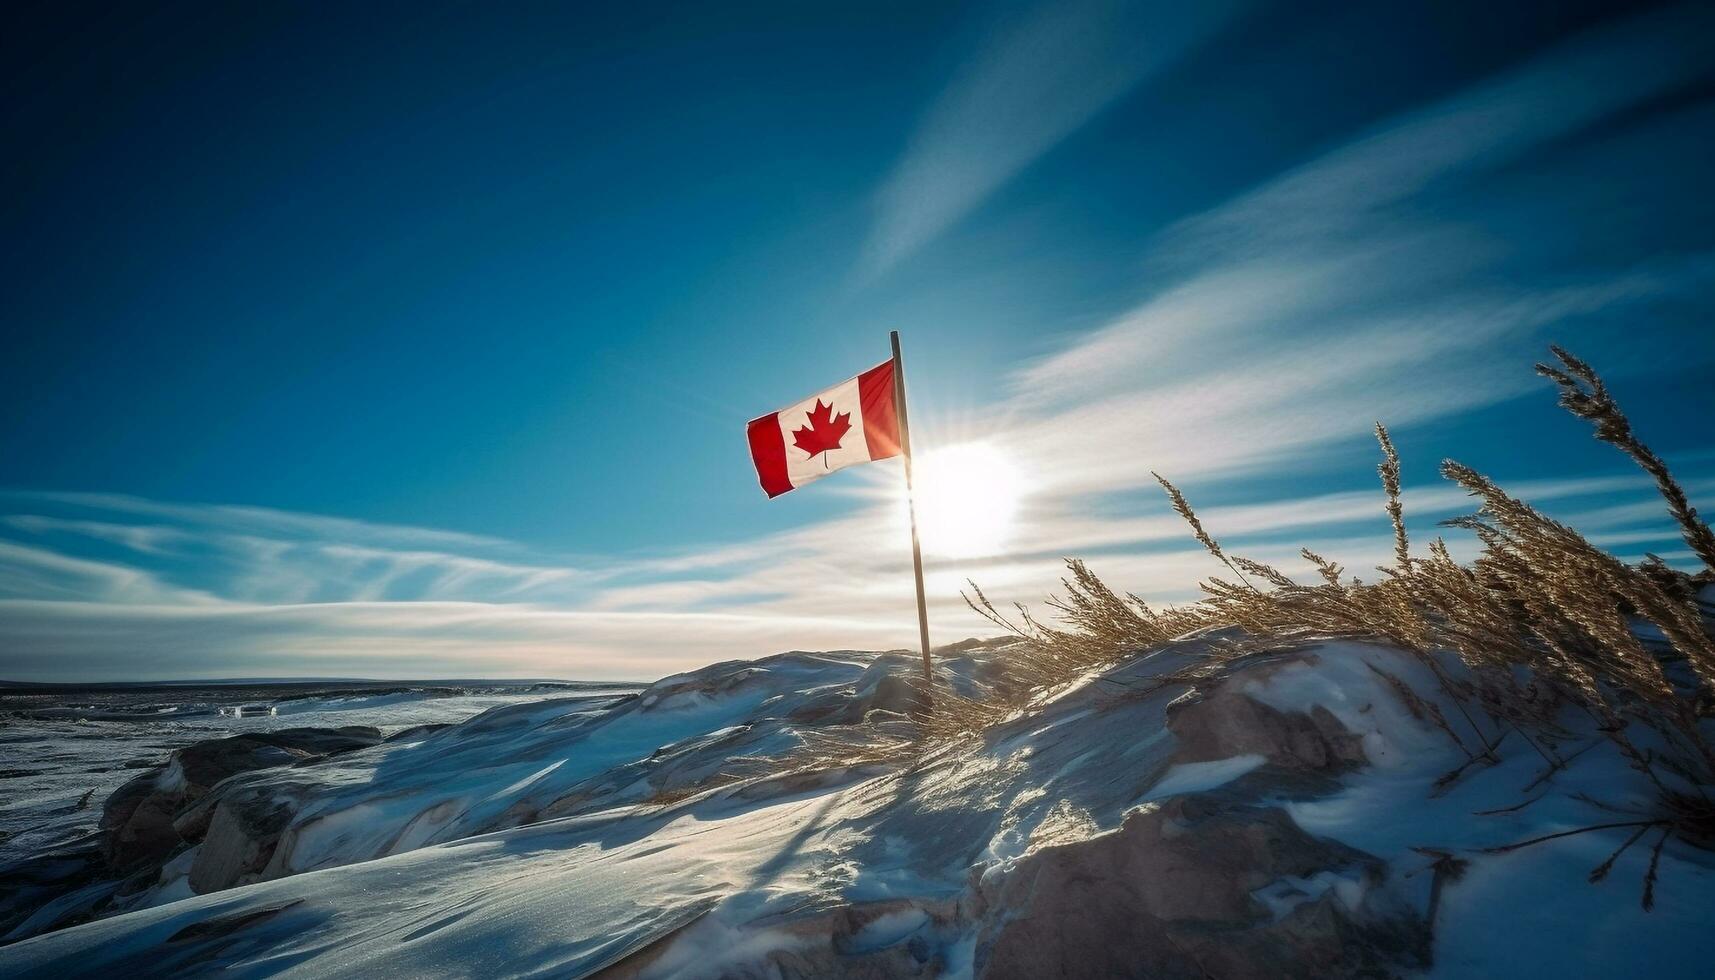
968,497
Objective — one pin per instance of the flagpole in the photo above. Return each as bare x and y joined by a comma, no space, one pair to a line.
911,507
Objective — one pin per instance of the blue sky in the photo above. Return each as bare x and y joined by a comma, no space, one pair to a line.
418,340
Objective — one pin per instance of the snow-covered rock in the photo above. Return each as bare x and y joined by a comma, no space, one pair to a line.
137,822
526,763
145,823
1198,885
1287,819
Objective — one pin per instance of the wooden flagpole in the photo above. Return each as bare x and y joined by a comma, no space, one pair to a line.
911,506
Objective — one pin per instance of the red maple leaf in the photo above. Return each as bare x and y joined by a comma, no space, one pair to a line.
824,431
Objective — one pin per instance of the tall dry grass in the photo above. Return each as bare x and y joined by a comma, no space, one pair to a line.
1541,622
1583,394
1539,596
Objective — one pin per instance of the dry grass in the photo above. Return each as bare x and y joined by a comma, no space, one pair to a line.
1539,596
1389,472
1583,394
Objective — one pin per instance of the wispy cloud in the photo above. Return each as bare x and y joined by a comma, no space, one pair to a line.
1037,78
28,571
1334,294
837,584
1278,325
449,575
398,639
240,519
1285,390
1573,86
152,539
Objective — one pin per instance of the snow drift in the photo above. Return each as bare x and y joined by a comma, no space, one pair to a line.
1289,818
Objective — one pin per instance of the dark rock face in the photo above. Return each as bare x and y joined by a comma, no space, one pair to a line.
1214,884
1175,893
1225,723
222,926
243,832
138,821
149,819
417,733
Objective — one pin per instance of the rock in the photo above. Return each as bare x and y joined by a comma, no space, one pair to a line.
892,684
140,821
1224,723
243,832
139,830
1175,893
192,822
207,763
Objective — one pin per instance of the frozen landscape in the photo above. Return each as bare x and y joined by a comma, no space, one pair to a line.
777,491
67,747
1301,814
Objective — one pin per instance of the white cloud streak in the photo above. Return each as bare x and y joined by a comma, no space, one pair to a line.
1035,80
1288,319
240,519
1571,87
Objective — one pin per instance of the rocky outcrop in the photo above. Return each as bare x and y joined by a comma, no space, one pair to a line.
1310,749
1206,885
152,818
50,884
243,831
1206,882
255,828
1196,887
1130,824
140,821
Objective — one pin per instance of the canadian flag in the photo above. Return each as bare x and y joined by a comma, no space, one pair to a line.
853,422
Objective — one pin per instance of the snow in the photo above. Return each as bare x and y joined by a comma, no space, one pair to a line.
407,864
451,785
1344,682
1527,912
890,928
96,746
1199,777
561,897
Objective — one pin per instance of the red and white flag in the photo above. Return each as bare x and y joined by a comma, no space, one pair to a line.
853,422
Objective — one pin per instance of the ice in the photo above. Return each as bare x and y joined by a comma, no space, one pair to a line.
94,746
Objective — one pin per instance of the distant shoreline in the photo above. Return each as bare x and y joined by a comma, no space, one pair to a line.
280,683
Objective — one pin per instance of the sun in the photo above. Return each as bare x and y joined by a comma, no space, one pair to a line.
967,498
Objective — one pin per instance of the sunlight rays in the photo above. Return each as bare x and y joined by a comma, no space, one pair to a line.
968,497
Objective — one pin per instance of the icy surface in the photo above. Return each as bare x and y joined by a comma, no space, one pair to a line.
63,753
621,845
